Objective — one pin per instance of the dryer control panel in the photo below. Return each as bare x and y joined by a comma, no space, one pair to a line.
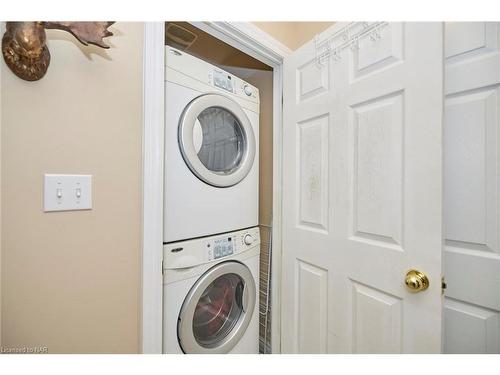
190,71
223,80
207,249
234,85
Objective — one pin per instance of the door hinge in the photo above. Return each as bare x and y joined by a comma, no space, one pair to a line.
443,285
162,269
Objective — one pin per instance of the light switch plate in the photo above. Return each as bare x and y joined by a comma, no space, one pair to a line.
64,192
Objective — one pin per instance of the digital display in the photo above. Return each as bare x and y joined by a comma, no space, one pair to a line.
223,247
223,81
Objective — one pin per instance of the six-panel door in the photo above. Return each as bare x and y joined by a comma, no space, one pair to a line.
362,194
472,188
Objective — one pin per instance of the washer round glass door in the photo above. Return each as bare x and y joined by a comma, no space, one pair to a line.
216,140
217,310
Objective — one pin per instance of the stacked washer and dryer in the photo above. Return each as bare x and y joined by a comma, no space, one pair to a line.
211,235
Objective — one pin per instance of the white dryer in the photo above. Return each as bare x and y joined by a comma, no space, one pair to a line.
210,294
211,149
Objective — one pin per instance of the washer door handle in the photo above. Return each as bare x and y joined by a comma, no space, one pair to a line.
241,296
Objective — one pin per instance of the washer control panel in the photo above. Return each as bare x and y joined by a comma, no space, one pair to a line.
222,247
198,251
226,245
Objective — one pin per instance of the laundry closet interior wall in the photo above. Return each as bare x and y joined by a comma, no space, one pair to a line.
196,42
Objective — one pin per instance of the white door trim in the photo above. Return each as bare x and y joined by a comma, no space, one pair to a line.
247,38
258,44
152,192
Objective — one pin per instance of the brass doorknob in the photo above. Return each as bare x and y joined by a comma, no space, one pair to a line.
416,281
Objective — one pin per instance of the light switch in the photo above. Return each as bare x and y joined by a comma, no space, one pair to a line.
65,192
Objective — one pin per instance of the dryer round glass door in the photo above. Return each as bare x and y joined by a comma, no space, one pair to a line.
216,140
217,310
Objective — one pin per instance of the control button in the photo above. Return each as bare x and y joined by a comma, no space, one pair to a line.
248,239
248,90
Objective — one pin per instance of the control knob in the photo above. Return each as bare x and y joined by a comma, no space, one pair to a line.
248,239
248,90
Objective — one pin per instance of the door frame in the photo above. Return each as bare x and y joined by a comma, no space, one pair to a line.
258,44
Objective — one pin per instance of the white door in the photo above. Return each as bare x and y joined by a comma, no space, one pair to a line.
472,188
362,194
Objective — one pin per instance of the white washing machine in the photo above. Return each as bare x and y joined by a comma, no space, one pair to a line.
211,149
210,294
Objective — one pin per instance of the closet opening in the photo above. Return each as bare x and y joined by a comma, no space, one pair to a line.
185,37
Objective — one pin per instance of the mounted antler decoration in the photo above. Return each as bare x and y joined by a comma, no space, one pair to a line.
25,50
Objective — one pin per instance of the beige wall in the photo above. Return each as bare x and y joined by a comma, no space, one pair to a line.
293,34
71,280
282,31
